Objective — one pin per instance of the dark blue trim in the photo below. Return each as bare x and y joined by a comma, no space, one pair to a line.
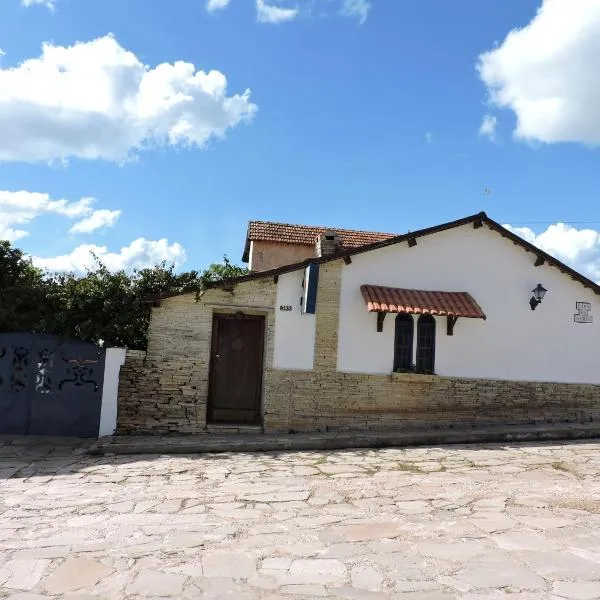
311,283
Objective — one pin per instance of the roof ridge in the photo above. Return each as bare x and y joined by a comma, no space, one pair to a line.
324,227
477,220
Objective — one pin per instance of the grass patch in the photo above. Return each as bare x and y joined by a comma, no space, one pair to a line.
563,466
408,467
591,506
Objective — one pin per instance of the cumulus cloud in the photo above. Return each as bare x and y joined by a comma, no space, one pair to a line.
97,100
49,4
267,13
21,207
488,127
213,5
356,8
579,248
10,234
99,219
547,73
139,254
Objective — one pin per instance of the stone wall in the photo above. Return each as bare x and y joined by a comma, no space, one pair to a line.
166,390
327,315
318,401
160,396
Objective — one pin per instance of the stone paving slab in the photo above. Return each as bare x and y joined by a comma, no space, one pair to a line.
518,521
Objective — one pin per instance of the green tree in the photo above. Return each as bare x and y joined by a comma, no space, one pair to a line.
23,297
220,271
100,306
112,307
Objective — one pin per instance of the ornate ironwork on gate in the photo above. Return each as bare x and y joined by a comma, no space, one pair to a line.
49,385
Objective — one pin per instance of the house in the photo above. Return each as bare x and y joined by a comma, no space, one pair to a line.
463,323
270,245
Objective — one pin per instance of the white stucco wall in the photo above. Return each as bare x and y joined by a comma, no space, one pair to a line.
513,343
115,358
294,331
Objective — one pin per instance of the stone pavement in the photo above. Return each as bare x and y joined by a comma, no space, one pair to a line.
514,522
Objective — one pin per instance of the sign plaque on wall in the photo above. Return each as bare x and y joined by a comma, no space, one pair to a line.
583,312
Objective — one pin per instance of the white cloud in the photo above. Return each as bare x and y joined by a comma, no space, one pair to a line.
488,127
213,5
579,248
10,234
96,100
271,13
356,8
49,4
97,220
22,207
267,13
547,73
137,255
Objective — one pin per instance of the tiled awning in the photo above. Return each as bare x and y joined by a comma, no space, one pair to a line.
398,300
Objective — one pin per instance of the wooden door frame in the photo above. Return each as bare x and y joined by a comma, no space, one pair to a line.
213,345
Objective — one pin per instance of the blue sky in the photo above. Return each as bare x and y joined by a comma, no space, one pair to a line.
383,115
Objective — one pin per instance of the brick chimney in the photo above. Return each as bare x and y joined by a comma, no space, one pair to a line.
328,243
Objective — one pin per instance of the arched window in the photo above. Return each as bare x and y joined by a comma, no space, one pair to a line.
426,344
403,342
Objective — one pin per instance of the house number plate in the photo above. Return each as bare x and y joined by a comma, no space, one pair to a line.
285,307
583,312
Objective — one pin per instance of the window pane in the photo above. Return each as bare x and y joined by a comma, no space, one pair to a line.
426,344
403,343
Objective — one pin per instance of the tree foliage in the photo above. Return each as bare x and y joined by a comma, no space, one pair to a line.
220,271
101,306
23,301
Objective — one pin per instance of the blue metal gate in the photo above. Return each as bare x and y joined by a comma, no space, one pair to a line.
49,385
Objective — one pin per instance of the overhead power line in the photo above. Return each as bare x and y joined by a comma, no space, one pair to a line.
555,222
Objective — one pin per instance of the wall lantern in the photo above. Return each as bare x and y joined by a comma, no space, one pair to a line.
538,295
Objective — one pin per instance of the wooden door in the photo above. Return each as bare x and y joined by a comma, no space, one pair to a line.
236,369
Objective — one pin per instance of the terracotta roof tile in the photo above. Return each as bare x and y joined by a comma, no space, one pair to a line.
267,231
398,300
477,220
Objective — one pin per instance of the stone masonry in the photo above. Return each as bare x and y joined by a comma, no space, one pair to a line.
309,401
328,304
166,391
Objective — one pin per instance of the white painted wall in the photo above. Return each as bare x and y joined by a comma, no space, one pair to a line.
513,343
294,331
115,357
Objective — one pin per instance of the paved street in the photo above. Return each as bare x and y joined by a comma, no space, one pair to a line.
476,522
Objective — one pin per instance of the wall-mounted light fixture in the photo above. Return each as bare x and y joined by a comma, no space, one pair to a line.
538,294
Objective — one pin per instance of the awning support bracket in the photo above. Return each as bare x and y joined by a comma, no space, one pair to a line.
451,321
380,319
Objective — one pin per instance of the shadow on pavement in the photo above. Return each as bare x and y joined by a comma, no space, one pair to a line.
29,456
